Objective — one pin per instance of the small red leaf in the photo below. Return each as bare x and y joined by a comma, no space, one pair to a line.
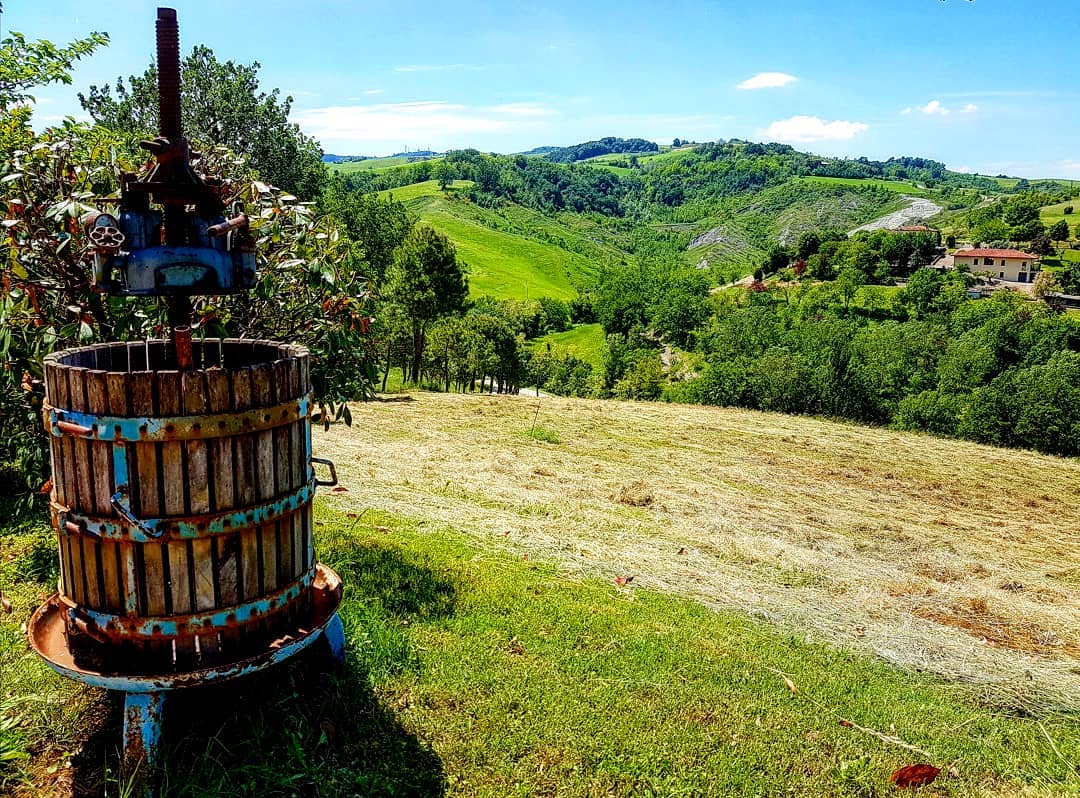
339,489
622,581
914,776
47,487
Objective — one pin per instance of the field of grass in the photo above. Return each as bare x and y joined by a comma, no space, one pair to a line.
475,671
899,186
1051,214
887,543
373,164
585,341
512,252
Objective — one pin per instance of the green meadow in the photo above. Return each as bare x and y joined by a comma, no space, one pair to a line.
584,341
511,252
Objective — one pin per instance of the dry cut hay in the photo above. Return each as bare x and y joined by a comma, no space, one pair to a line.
943,556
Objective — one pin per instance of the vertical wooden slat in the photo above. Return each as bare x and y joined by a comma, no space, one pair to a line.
119,404
264,440
285,548
224,549
147,500
56,445
244,452
270,535
195,403
88,548
221,449
97,402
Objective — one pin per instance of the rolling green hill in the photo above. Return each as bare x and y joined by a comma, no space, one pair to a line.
512,252
374,164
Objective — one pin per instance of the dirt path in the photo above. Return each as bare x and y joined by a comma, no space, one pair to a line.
918,210
883,542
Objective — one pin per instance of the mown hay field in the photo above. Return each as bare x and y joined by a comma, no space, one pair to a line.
940,556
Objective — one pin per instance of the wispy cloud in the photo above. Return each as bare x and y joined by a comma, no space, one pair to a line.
804,129
767,80
434,123
438,68
937,108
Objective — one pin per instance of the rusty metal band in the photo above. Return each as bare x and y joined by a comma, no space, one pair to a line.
162,530
174,428
121,627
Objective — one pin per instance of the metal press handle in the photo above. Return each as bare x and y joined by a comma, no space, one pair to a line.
123,509
322,483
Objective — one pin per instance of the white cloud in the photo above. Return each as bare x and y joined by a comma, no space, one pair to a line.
937,108
438,68
767,80
433,123
373,91
964,170
803,129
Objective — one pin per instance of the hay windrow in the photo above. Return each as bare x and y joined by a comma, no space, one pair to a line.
879,541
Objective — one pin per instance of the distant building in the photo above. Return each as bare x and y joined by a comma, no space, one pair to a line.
1004,264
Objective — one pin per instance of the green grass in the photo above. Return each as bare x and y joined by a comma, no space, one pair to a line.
900,186
512,252
1051,214
472,673
374,164
585,341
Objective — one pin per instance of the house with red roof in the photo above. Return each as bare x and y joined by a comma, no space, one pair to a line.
1004,264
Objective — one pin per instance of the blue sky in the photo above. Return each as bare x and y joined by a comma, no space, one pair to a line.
989,86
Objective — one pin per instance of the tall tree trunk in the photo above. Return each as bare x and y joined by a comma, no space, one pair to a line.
418,351
386,374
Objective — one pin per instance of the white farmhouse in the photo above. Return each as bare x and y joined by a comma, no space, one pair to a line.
1004,264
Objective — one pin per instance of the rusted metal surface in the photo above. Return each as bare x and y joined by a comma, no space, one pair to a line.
48,638
181,338
146,530
112,627
168,74
236,223
177,428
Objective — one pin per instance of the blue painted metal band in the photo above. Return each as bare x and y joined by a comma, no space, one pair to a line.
174,428
174,626
160,530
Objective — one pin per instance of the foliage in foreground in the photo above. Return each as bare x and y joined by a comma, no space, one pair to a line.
312,287
481,675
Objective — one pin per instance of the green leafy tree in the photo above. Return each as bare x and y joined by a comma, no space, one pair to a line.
922,290
426,281
1059,231
222,105
25,65
444,173
809,243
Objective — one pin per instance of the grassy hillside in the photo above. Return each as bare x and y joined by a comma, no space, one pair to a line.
512,252
880,541
477,672
735,240
657,600
585,341
1055,213
373,164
